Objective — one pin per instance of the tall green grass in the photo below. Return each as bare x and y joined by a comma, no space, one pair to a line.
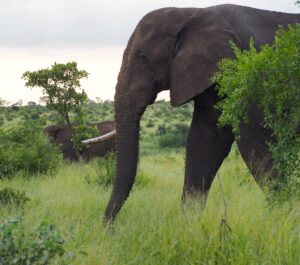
236,226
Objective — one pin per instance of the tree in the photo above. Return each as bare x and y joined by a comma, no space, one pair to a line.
272,78
2,102
61,87
31,103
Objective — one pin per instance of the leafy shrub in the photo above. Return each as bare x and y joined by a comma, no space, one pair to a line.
176,136
9,116
182,129
39,247
105,171
34,116
83,130
161,129
170,140
270,77
1,121
9,196
25,148
150,124
6,166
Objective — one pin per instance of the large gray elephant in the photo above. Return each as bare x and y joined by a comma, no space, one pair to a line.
178,49
62,136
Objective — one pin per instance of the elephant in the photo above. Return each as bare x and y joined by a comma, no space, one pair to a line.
62,136
178,49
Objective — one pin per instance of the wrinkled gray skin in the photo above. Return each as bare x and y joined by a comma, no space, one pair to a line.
178,49
62,137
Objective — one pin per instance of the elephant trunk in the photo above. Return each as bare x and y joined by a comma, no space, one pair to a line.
127,149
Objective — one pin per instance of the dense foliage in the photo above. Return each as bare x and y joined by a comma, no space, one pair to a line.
270,78
83,130
23,147
39,247
104,171
12,197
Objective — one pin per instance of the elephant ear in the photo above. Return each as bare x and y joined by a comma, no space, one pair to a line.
200,45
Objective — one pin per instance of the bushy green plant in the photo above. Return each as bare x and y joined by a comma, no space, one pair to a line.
10,197
270,77
161,129
40,247
170,140
83,130
150,124
34,116
24,148
105,171
10,115
175,136
1,121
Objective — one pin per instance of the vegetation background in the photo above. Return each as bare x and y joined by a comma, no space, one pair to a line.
51,210
238,225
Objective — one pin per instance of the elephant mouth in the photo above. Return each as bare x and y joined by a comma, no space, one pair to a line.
103,138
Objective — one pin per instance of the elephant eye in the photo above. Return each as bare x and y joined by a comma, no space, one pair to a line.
141,55
144,59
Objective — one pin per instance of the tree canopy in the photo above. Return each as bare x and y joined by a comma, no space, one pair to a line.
61,86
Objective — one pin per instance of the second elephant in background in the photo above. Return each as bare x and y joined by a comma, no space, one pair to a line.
63,135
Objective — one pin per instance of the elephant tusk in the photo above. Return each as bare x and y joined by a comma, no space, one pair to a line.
101,138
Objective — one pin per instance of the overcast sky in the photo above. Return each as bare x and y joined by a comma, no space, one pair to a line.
35,33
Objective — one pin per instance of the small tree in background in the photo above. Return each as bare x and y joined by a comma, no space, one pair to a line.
61,87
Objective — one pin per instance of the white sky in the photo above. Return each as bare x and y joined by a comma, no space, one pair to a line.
36,33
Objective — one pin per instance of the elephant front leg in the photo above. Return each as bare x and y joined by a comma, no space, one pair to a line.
207,146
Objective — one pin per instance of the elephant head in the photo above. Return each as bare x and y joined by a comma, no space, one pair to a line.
63,137
178,50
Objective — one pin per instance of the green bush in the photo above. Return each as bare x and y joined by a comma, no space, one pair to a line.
174,137
25,148
105,171
270,77
34,116
9,116
10,197
161,129
83,130
41,246
1,121
170,140
150,124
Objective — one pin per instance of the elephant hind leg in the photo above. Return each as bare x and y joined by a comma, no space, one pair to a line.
207,147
